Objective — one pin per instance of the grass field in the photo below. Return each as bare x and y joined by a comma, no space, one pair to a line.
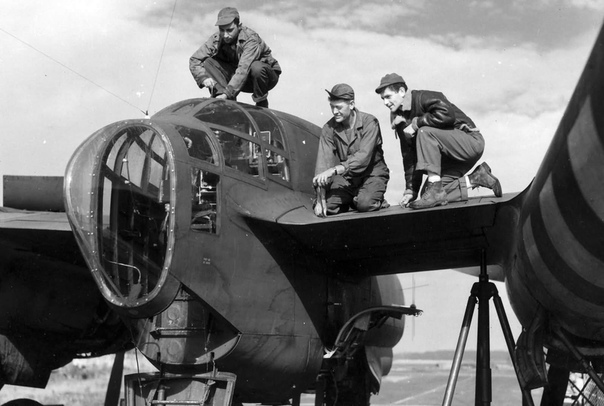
415,379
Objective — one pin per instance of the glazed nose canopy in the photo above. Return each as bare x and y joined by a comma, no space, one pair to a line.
119,197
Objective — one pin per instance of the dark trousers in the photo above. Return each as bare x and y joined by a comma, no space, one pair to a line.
451,154
369,193
260,80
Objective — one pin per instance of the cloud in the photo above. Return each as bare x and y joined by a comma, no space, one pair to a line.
73,69
515,93
504,77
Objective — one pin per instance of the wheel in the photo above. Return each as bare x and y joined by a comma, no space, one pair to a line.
22,402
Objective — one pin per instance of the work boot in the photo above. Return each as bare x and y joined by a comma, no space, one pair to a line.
482,176
262,103
434,195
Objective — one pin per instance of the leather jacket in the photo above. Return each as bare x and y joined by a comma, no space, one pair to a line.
422,108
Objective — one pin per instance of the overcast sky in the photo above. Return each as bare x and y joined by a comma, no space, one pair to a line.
69,68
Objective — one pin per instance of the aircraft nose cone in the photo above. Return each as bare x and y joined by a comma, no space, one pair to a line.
119,203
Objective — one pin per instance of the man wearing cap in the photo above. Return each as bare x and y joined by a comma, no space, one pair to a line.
437,139
235,59
350,162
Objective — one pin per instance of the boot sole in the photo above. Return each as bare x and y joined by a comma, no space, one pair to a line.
497,186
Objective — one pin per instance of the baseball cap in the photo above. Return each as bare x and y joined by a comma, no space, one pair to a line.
388,80
227,15
341,91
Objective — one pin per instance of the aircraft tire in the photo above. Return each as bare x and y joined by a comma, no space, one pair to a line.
22,402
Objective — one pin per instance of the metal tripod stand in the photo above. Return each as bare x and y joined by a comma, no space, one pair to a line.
482,291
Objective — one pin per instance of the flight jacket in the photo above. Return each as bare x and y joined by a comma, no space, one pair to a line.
422,108
248,47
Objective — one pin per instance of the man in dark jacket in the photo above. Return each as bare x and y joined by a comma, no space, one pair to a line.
233,60
350,161
437,139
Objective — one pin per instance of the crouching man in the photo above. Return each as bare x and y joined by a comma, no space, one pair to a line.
350,169
437,139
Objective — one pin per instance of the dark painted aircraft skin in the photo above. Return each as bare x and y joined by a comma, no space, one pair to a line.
178,217
197,227
50,308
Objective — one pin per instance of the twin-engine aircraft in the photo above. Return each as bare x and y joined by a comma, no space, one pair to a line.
194,225
191,236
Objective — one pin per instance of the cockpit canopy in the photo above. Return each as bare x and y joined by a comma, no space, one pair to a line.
119,198
124,184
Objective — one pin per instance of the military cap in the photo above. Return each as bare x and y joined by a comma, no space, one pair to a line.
388,80
227,15
341,91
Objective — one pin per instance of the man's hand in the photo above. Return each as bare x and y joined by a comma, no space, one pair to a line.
409,131
321,203
324,178
396,119
407,198
209,83
222,96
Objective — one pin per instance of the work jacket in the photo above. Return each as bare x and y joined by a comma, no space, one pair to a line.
362,156
248,47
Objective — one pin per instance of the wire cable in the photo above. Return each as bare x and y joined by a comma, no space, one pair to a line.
161,58
71,70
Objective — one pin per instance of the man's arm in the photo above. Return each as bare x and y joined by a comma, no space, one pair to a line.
438,111
327,161
409,155
207,50
252,50
413,178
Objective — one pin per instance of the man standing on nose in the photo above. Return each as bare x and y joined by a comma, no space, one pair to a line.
350,162
437,139
233,60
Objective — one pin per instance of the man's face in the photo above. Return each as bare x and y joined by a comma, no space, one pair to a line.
229,32
393,100
341,109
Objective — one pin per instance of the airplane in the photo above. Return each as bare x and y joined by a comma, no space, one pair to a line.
192,261
184,247
191,236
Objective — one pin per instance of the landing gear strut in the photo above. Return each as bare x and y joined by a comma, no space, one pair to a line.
482,291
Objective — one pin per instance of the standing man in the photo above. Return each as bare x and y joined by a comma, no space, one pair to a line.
437,139
350,162
233,60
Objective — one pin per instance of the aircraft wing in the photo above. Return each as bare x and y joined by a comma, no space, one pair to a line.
38,233
46,284
398,240
41,220
50,308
